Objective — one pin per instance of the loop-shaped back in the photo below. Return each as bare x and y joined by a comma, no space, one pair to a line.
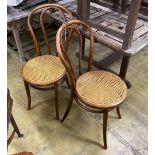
80,28
51,10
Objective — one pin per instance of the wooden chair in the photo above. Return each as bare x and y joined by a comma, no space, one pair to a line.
10,119
96,91
44,72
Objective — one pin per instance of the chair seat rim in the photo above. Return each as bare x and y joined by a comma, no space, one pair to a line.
102,107
44,84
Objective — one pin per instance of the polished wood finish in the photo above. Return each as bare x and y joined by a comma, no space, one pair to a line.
44,72
95,91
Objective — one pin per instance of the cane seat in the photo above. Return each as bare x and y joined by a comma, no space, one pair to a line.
101,89
43,70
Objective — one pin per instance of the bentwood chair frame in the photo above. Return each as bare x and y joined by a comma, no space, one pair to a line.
81,27
10,119
45,9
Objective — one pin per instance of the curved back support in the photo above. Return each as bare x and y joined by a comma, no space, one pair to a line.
50,10
80,28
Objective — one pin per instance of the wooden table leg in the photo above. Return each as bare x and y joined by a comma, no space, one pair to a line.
123,6
18,42
116,4
124,68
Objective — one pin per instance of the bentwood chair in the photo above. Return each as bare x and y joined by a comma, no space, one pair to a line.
45,72
10,119
95,91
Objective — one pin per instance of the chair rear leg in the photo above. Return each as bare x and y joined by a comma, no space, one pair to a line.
68,107
67,81
105,119
118,113
56,102
27,89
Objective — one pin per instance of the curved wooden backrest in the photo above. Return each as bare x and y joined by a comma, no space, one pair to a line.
80,28
50,10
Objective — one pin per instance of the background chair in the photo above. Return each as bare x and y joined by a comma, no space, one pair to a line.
95,91
10,119
44,72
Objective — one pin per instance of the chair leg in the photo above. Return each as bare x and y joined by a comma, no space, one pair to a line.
118,113
56,102
28,95
67,81
68,107
105,119
15,126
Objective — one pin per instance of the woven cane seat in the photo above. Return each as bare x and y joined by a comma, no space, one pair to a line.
101,89
43,70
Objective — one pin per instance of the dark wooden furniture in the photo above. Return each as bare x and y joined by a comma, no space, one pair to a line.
44,72
10,119
95,91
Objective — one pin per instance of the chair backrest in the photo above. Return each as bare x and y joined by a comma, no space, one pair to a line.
55,12
80,28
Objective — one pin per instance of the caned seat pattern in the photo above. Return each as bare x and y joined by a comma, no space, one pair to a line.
101,89
43,70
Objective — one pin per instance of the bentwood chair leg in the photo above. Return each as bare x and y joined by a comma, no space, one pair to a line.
15,126
118,113
28,95
56,102
67,81
68,107
105,119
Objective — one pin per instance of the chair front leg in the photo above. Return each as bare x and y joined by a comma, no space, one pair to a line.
13,122
27,89
56,102
105,120
118,113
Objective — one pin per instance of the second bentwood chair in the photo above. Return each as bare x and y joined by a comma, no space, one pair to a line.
45,72
95,91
